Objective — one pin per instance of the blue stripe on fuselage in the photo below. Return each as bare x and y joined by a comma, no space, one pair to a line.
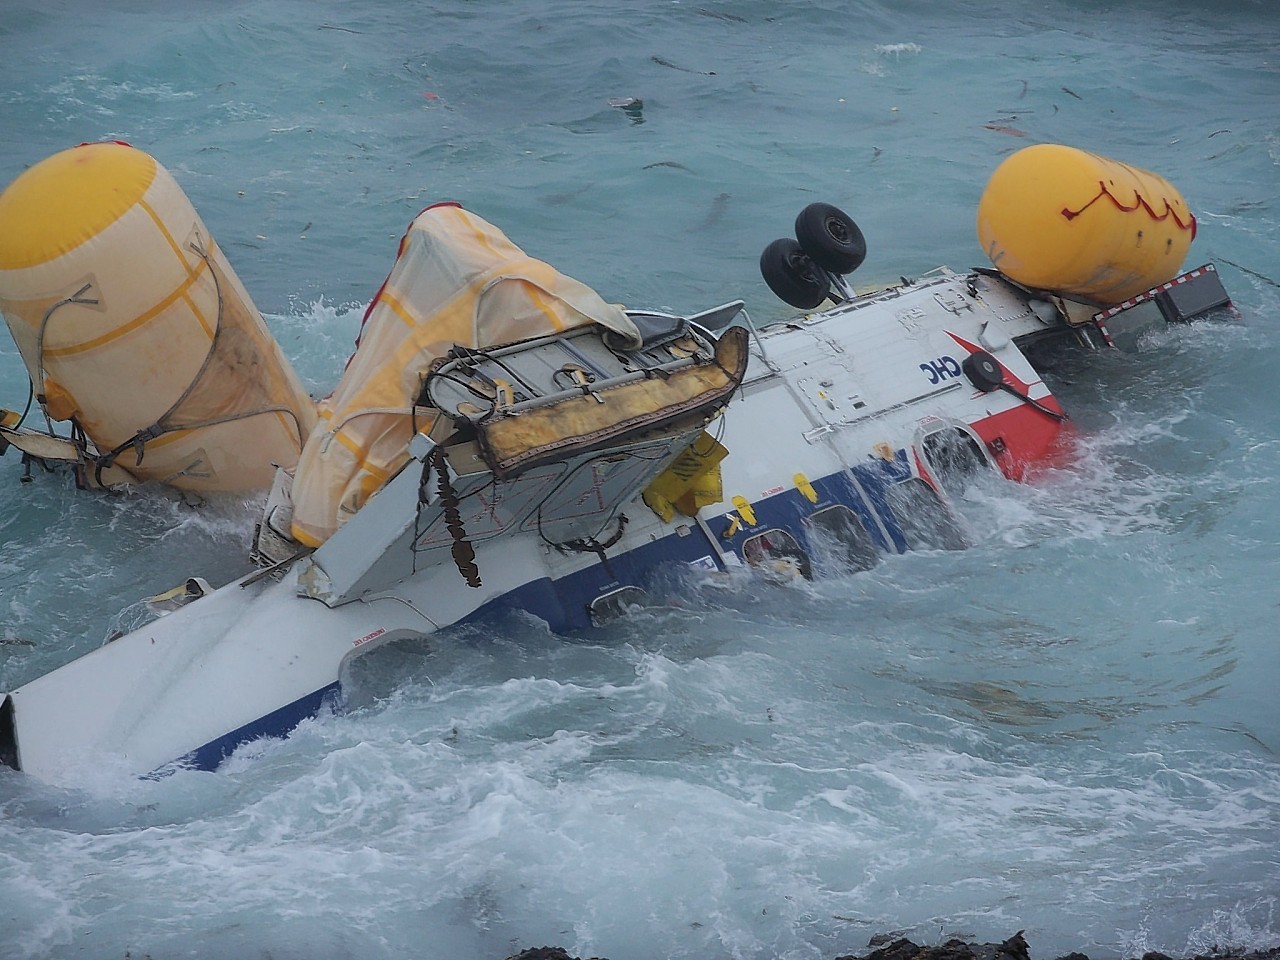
564,603
277,723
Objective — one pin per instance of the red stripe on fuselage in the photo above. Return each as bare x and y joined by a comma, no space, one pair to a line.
1025,441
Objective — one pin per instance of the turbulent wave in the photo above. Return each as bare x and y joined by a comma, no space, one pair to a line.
1067,728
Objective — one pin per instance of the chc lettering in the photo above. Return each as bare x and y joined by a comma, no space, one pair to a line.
941,369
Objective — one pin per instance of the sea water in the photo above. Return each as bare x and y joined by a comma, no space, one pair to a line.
1070,728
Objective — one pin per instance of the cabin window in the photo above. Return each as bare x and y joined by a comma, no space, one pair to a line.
955,458
8,737
614,604
925,521
776,553
840,535
1129,328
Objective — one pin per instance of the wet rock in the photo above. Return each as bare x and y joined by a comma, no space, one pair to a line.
546,953
1015,948
897,947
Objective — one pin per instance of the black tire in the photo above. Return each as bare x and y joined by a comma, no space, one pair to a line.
831,238
983,371
792,276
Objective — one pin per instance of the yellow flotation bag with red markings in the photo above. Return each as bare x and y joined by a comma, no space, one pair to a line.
1065,220
134,327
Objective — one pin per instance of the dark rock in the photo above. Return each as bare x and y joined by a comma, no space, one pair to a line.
1015,948
547,953
896,947
900,949
957,949
880,939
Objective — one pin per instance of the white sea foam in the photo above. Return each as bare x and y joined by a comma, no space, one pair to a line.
1068,728
897,49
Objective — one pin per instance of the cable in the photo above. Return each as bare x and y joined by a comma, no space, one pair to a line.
1009,388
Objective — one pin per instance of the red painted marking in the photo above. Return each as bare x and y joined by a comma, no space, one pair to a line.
1023,440
369,636
1032,442
1138,202
1009,376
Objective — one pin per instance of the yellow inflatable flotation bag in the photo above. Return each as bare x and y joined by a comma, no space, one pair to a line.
457,281
134,327
1061,219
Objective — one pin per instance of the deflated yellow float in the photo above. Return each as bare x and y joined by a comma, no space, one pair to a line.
134,327
457,281
1061,219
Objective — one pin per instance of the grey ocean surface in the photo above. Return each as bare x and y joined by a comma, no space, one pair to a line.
1071,728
